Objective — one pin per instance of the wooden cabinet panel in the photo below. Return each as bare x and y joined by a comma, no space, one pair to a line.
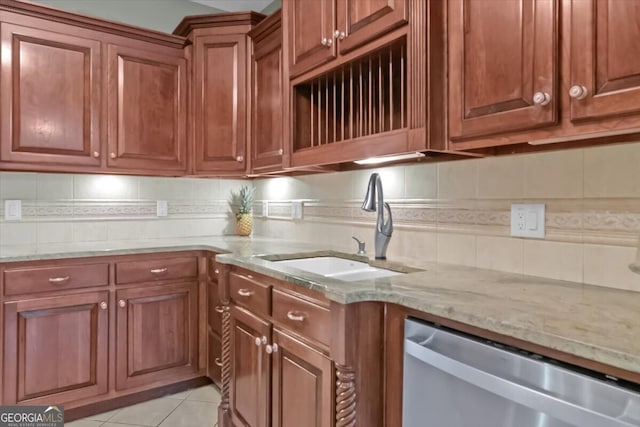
214,363
501,54
605,58
156,334
50,104
362,21
48,278
304,317
267,139
147,96
220,63
150,269
55,349
249,391
302,389
309,33
252,293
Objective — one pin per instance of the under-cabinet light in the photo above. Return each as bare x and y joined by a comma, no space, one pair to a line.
385,159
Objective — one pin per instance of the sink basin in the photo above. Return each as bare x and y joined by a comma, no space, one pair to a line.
339,268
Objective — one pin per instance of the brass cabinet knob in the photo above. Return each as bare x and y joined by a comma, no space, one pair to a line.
112,155
122,303
103,305
281,151
541,98
273,348
340,35
578,92
96,154
240,159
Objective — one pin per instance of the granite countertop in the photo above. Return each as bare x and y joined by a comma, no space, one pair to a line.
593,322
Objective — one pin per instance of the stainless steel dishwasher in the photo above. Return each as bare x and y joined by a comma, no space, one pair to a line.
451,380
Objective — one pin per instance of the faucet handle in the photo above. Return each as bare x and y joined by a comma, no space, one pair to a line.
361,244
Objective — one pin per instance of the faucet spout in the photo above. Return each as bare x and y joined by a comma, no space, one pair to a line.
374,202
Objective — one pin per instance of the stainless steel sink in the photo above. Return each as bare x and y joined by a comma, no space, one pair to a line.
344,269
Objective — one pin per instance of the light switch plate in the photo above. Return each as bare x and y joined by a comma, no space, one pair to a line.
527,220
265,209
13,210
162,208
296,209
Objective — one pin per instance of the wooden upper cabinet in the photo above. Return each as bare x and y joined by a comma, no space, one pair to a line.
605,58
360,21
502,66
50,85
55,349
310,27
267,115
220,88
147,109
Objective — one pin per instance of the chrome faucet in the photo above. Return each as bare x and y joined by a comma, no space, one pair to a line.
383,229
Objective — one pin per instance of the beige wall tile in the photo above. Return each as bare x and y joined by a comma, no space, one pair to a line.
90,231
421,245
457,249
17,233
609,266
501,177
421,181
18,185
458,180
612,171
126,230
558,174
501,253
54,186
554,260
281,188
54,232
393,182
105,187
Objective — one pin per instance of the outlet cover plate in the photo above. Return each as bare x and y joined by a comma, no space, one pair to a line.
296,209
162,208
13,210
527,220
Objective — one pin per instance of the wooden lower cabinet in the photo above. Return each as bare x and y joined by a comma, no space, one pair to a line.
55,348
301,384
156,336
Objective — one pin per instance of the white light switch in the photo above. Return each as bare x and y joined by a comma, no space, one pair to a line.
13,210
296,209
162,208
265,209
527,220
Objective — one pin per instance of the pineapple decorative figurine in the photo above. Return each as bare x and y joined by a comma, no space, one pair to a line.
244,202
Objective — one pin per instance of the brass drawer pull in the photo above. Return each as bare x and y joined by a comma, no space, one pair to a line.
218,362
245,292
295,316
58,279
219,309
103,305
216,271
159,270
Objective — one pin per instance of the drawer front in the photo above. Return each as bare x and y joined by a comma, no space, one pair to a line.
157,269
302,316
212,268
54,278
248,292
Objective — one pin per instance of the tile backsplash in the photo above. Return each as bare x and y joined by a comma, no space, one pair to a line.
459,212
454,212
65,208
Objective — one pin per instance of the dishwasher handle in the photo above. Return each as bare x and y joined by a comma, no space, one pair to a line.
526,396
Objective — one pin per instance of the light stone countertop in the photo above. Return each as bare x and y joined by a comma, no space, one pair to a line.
593,322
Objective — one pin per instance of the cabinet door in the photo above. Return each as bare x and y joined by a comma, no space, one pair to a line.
55,349
250,370
220,64
214,333
502,66
267,142
50,104
605,58
156,335
360,21
309,27
302,389
147,119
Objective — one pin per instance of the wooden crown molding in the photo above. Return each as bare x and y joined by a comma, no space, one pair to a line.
267,26
71,18
190,23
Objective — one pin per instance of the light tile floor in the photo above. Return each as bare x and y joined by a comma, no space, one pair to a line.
191,408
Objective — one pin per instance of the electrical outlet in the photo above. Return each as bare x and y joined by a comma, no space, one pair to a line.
13,210
296,209
265,209
527,220
162,208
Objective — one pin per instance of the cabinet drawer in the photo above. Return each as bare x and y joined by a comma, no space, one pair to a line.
302,316
157,269
247,292
54,278
212,268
